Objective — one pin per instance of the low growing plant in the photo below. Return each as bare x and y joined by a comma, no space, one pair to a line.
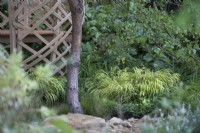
135,91
127,86
50,88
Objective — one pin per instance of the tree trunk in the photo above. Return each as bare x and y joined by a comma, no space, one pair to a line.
76,7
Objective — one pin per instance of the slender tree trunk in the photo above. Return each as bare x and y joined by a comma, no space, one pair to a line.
76,7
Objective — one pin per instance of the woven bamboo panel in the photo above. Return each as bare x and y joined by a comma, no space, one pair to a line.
3,20
40,18
4,24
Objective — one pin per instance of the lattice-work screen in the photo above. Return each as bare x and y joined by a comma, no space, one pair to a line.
3,16
42,29
4,24
3,19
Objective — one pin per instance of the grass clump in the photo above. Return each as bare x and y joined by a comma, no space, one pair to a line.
50,88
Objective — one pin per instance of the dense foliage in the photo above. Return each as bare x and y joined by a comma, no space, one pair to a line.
132,56
138,36
127,35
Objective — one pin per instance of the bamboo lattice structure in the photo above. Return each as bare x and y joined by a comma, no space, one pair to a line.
41,29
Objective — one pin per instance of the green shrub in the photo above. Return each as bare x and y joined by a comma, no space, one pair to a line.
135,91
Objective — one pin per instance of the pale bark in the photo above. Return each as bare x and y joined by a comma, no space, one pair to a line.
76,7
